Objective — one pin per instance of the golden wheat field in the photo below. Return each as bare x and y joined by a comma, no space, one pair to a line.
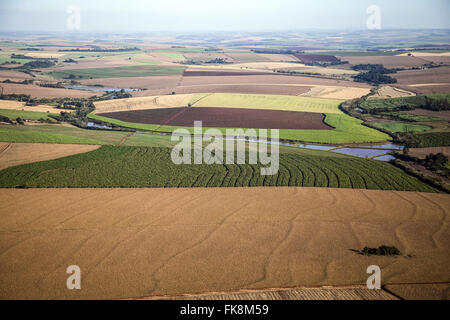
13,154
18,105
133,243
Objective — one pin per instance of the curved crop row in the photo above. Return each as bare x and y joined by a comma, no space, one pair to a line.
152,167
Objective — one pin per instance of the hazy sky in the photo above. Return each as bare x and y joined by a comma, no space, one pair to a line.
213,15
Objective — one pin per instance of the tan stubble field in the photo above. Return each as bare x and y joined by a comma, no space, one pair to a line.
133,243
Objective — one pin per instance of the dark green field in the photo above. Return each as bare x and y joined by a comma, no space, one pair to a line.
433,139
395,103
411,117
152,167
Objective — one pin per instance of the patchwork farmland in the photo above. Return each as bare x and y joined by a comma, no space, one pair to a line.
88,176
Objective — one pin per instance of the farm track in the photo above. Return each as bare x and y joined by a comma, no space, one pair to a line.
125,138
4,147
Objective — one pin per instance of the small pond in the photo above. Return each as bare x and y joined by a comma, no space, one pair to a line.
362,153
98,126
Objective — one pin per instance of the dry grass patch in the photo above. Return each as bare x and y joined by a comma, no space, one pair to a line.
331,92
386,92
17,105
272,79
143,103
41,92
387,61
44,54
13,154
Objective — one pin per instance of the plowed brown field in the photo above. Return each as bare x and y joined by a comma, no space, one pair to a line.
224,118
148,242
252,89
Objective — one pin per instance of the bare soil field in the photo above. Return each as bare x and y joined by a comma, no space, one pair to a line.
41,92
423,152
439,75
443,57
245,57
438,291
314,293
13,154
426,54
151,83
387,61
252,89
16,76
427,88
132,243
435,80
224,118
17,105
268,79
218,73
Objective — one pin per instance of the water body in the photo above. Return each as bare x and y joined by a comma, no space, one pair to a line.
98,89
98,126
314,147
389,146
386,158
362,153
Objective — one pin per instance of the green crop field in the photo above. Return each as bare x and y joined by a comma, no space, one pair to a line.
182,49
64,134
269,101
150,62
174,55
347,130
58,134
139,126
401,126
412,117
149,140
433,139
7,58
119,72
26,115
34,136
152,167
392,103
